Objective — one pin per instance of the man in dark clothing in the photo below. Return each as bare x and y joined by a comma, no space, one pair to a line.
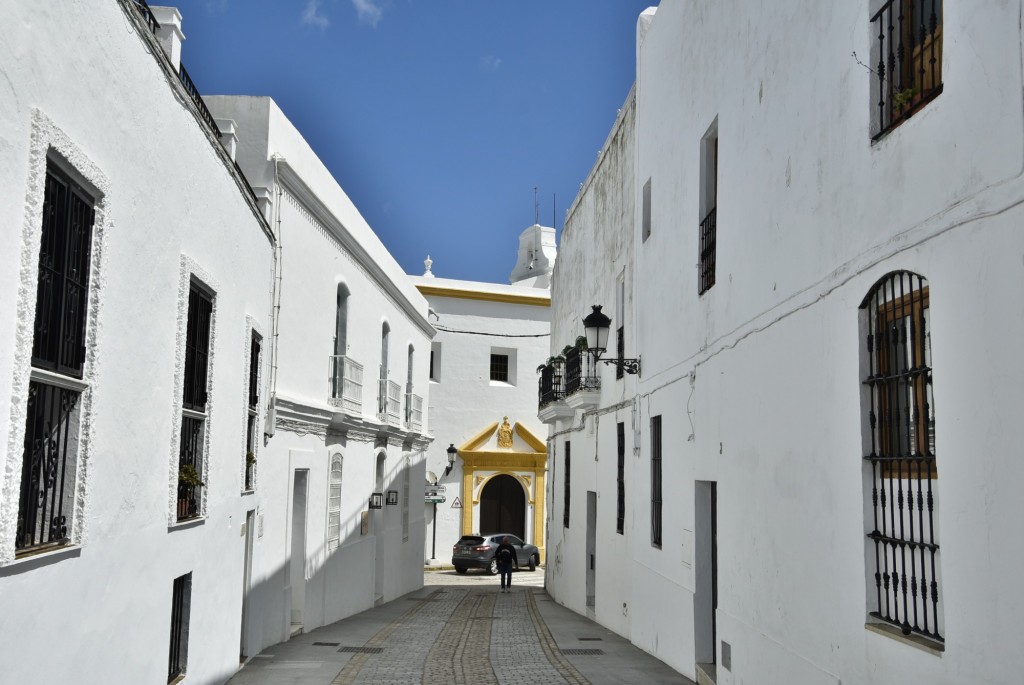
506,556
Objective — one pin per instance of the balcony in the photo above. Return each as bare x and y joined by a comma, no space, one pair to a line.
345,384
413,412
582,382
389,402
551,393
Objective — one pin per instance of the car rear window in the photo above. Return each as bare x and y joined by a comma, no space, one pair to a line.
470,540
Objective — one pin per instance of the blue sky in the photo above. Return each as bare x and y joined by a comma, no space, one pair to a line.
437,117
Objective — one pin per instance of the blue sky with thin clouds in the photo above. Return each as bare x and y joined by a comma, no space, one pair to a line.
437,117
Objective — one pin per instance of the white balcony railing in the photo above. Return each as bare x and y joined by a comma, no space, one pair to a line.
345,384
389,402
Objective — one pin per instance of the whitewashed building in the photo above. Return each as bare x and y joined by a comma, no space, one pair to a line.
797,181
490,339
339,484
135,293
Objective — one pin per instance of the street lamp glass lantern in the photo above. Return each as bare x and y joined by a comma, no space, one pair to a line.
596,324
451,454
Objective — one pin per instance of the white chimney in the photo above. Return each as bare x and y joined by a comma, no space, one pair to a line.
169,34
228,136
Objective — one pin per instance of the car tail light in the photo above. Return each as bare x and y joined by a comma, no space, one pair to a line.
481,548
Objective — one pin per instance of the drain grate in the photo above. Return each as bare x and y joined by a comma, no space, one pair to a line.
326,644
590,639
583,652
361,650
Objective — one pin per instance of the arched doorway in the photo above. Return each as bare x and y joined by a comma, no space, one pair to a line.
503,507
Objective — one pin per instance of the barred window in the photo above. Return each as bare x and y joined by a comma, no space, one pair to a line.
656,481
708,229
900,457
567,485
49,467
620,506
194,413
908,60
499,367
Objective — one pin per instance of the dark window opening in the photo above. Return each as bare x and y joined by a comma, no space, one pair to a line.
565,476
656,481
499,367
181,606
620,502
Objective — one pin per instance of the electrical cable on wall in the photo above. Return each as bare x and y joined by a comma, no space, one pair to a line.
495,335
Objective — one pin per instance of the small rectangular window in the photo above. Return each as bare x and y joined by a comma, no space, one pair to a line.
646,218
567,485
656,481
499,367
181,607
435,362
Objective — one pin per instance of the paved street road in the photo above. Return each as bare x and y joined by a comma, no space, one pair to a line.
460,629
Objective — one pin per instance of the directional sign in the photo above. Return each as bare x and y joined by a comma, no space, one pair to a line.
437,499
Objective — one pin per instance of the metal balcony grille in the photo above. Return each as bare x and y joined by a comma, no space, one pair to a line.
48,467
413,411
708,238
252,411
550,385
901,456
345,383
656,480
63,284
580,372
909,68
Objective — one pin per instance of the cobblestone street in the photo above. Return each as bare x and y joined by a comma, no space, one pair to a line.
460,629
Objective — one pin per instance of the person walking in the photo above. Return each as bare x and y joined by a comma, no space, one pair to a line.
506,556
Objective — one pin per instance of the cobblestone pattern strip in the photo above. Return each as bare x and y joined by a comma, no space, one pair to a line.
350,674
551,650
517,646
458,656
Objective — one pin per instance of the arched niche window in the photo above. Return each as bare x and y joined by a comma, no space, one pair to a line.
899,419
341,321
334,503
385,334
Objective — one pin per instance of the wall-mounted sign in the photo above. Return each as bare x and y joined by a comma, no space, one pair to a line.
457,503
377,500
434,494
392,497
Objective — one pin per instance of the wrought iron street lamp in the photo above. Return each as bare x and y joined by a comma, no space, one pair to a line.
596,324
451,458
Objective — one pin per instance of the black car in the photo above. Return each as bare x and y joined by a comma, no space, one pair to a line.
477,551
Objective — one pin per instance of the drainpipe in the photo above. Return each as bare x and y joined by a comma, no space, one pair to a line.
269,424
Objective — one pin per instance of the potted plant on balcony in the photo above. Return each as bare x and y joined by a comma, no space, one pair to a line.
250,459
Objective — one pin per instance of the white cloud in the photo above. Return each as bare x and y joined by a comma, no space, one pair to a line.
490,63
311,15
369,11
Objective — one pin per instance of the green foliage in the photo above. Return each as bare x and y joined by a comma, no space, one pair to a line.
187,475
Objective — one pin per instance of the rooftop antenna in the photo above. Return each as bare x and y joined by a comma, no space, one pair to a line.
536,207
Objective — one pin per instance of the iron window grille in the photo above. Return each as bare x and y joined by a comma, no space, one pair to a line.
252,412
901,456
194,396
909,67
620,502
499,367
708,238
656,481
567,485
181,606
620,349
334,503
53,419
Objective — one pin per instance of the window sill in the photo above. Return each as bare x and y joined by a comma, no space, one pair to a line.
922,643
177,680
38,558
187,523
501,384
245,493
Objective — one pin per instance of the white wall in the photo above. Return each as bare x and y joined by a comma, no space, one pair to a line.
811,214
464,400
166,191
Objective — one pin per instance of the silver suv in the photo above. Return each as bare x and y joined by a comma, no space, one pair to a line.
477,551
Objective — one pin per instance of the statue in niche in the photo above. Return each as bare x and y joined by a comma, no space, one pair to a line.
505,434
